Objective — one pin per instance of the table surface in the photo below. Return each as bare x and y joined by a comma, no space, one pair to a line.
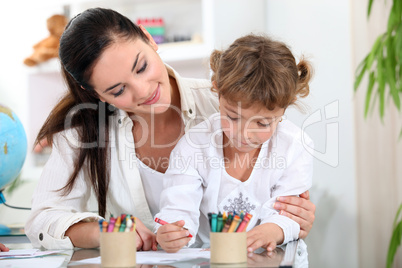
294,254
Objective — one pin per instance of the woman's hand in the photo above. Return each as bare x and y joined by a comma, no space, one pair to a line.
146,240
300,209
172,237
3,247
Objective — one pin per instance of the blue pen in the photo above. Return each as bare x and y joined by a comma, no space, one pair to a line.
214,222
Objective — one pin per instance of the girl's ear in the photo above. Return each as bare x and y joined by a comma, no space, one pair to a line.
150,38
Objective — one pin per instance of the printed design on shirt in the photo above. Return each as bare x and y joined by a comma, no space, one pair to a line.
239,204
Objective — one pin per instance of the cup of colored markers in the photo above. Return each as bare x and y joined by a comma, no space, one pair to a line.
228,237
118,245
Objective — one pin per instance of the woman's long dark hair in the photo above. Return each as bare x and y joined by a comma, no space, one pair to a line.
85,38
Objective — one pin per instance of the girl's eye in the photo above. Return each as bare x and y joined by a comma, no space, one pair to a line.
119,92
263,125
232,118
142,68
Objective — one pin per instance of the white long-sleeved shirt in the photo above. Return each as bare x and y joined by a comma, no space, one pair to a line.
197,183
53,213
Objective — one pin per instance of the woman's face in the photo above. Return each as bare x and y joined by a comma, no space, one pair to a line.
131,76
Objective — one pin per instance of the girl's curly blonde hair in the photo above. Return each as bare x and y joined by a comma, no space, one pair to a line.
256,70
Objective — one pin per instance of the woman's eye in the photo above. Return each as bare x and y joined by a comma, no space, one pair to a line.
263,125
142,68
118,93
232,118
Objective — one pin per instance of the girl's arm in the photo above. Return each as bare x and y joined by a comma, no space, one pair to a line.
300,209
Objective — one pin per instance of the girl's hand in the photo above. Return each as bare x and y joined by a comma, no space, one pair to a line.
172,237
266,235
3,248
300,209
146,240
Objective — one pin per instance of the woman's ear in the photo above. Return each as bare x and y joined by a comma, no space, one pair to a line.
150,38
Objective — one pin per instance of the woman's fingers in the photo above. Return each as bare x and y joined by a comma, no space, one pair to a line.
3,247
139,242
146,236
299,209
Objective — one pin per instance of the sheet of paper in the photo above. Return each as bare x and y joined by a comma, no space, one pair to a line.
26,253
19,252
160,256
49,262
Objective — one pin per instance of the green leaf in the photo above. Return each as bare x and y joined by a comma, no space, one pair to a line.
394,244
398,44
381,81
392,19
390,65
397,215
369,7
361,69
369,93
374,50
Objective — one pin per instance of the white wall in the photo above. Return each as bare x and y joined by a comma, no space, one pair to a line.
321,30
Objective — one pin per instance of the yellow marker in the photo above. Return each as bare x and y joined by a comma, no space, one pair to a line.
235,223
117,224
224,216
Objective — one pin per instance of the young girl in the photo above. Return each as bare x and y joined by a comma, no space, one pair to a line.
244,157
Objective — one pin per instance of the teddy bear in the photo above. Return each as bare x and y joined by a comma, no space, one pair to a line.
49,47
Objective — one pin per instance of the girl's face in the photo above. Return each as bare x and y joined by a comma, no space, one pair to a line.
247,129
131,76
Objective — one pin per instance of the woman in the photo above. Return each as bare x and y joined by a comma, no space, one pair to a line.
113,132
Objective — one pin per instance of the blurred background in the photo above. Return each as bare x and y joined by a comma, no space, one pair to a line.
357,184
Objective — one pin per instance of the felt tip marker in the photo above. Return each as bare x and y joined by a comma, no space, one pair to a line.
162,222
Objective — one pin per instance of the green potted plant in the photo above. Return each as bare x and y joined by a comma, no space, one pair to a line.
383,65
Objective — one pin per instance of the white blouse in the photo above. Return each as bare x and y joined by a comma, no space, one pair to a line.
53,213
197,183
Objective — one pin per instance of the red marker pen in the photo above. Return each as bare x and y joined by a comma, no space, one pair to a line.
162,222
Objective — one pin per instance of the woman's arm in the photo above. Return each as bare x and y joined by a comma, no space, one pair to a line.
87,235
84,234
299,209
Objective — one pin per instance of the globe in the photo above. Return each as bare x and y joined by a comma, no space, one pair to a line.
13,146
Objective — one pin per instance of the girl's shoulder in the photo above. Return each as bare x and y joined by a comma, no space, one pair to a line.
289,132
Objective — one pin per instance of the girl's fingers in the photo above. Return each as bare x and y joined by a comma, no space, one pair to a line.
172,227
271,246
255,244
